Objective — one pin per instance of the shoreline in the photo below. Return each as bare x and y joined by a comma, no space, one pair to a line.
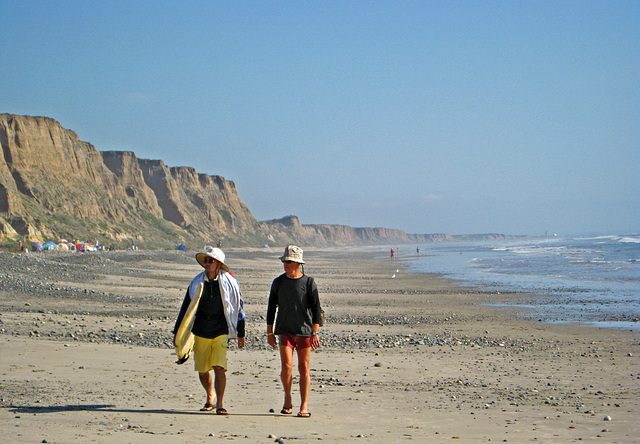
87,359
568,280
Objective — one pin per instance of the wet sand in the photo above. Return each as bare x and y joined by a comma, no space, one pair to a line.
86,357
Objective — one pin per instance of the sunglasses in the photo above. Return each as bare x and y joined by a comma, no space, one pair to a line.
208,260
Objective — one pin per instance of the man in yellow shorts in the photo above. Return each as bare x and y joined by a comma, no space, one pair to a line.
220,317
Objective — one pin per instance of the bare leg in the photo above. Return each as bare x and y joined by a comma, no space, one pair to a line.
286,375
207,382
220,384
304,356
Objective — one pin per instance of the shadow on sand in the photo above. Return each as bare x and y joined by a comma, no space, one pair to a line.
112,408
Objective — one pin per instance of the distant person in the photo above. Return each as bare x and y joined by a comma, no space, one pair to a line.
418,251
393,254
294,296
220,317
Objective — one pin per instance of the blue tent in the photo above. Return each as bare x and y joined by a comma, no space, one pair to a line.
36,246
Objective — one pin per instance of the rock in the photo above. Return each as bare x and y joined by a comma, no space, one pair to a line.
51,166
607,418
127,198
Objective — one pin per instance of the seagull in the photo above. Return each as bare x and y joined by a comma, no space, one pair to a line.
394,275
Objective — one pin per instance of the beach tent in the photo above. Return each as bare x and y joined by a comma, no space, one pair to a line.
49,245
62,246
85,246
36,246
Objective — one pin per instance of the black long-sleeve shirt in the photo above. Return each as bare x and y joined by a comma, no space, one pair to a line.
210,321
297,304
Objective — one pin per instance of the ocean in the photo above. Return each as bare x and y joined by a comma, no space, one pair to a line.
590,280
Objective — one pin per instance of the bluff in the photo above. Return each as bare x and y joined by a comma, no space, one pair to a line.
290,227
54,185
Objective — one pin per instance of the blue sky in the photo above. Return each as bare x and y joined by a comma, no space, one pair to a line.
429,117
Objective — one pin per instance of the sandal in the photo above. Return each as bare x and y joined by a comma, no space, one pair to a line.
286,410
207,407
304,414
221,411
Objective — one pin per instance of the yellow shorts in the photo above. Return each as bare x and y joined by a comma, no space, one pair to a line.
209,353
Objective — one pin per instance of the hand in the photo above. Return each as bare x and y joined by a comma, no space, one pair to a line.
315,341
240,342
271,339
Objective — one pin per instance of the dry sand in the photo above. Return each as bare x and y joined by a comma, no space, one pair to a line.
86,357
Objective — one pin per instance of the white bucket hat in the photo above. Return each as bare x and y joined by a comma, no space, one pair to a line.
293,254
214,253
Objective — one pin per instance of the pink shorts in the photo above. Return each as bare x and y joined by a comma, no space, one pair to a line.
295,342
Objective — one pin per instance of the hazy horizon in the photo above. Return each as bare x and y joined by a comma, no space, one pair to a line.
427,117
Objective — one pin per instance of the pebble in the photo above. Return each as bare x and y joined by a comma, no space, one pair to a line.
138,331
51,266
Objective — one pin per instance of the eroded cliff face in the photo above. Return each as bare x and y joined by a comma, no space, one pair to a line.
322,235
52,184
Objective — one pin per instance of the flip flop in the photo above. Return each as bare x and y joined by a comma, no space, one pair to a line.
221,411
286,410
207,407
304,415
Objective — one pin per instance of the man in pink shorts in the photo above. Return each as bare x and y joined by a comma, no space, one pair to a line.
294,296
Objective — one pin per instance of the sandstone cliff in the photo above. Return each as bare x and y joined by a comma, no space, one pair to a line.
290,226
53,185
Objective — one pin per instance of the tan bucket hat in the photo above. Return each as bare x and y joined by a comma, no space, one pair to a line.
214,253
293,254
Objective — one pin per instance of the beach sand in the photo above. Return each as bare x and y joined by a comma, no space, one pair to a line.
87,357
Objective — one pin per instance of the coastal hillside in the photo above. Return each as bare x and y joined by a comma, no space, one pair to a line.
54,185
